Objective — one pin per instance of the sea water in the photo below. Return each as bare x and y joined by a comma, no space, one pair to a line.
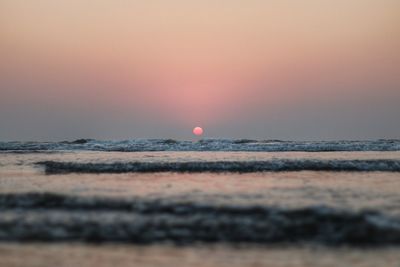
215,192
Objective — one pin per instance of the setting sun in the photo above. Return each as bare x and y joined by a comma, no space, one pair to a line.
198,131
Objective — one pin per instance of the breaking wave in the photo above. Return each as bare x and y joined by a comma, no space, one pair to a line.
203,145
58,218
274,165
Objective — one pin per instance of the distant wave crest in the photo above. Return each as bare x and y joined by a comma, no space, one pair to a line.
203,145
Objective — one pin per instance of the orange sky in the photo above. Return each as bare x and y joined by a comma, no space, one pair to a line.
268,67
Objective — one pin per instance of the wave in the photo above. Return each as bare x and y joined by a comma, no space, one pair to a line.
274,165
203,145
59,218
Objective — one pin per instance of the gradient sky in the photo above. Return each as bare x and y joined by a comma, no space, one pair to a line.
281,69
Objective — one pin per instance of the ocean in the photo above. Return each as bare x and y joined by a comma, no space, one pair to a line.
212,202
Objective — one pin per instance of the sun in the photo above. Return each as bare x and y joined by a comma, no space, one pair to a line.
197,131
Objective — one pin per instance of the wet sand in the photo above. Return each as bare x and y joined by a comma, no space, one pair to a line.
354,193
351,191
72,255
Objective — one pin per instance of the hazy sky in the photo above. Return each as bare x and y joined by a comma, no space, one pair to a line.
282,69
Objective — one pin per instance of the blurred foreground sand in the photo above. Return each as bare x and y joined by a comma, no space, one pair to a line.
72,255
